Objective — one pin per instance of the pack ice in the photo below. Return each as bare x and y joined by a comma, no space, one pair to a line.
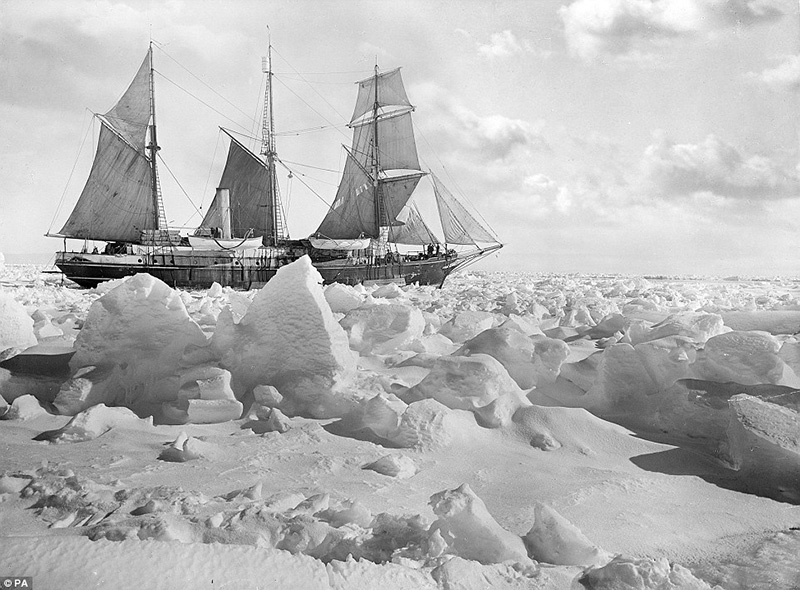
507,430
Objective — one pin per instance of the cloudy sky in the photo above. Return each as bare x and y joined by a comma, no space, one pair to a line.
632,136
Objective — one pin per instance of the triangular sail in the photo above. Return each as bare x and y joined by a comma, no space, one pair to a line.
412,231
395,193
116,204
131,115
352,213
459,226
247,179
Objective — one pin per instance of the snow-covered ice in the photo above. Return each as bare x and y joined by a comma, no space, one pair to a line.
509,430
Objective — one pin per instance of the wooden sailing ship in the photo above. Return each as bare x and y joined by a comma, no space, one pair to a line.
373,231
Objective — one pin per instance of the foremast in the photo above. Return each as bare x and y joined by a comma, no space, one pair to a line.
159,218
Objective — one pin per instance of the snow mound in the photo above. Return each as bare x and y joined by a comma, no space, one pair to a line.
698,327
25,407
555,540
428,425
641,574
382,328
462,574
184,448
469,531
399,466
467,383
468,324
527,360
748,358
376,419
95,422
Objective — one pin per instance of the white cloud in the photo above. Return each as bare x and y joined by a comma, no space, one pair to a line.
500,45
621,27
486,137
785,76
505,44
716,168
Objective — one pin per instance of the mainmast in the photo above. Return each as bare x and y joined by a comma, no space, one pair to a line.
268,150
375,161
153,148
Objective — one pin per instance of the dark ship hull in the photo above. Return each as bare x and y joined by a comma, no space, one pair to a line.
89,270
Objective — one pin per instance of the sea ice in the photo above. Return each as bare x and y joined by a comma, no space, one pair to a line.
289,339
764,444
464,382
471,532
527,359
16,326
555,540
469,324
342,298
641,574
399,466
95,422
381,328
140,328
24,407
748,358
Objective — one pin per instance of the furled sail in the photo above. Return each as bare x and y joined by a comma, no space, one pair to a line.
458,224
116,203
247,178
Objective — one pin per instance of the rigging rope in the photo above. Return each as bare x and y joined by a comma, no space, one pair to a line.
325,100
178,183
223,115
161,48
71,172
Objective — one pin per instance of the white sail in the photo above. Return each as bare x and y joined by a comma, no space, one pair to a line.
247,178
458,224
117,202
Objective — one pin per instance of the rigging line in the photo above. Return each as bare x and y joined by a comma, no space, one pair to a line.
161,48
324,118
305,184
455,183
304,175
223,115
259,108
71,172
306,130
291,77
313,167
178,183
210,169
360,72
325,100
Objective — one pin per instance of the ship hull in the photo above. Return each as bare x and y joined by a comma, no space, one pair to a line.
89,271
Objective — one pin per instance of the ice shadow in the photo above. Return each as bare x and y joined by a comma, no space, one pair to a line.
684,460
